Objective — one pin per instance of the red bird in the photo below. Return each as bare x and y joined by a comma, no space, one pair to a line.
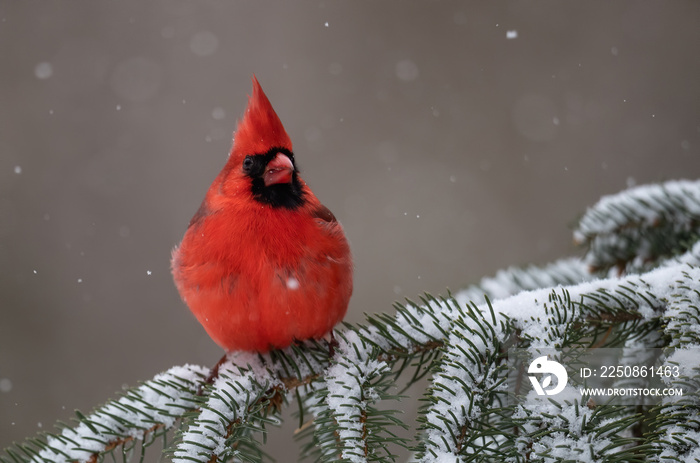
263,263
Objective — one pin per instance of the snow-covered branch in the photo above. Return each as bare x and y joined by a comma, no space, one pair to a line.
347,400
632,230
155,405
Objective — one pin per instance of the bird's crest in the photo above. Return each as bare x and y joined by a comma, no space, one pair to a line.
260,129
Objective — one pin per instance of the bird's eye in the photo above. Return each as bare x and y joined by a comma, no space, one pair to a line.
247,163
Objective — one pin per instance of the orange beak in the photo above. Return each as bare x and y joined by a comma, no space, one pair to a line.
279,170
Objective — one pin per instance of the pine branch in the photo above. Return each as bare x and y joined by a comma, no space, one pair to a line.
237,405
356,380
676,428
604,304
346,402
463,391
227,418
514,280
632,230
480,328
155,405
468,379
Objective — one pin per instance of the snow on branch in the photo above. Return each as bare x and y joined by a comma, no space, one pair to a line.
243,387
467,389
345,400
470,377
466,400
155,405
346,392
514,280
677,422
691,257
567,430
635,228
236,407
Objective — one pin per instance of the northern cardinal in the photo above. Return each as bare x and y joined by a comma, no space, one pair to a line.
263,263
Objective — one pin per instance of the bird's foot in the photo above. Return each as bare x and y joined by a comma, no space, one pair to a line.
332,345
213,374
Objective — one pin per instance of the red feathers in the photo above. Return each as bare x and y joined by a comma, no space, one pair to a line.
260,128
263,263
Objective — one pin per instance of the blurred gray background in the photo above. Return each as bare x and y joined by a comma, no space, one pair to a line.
451,139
